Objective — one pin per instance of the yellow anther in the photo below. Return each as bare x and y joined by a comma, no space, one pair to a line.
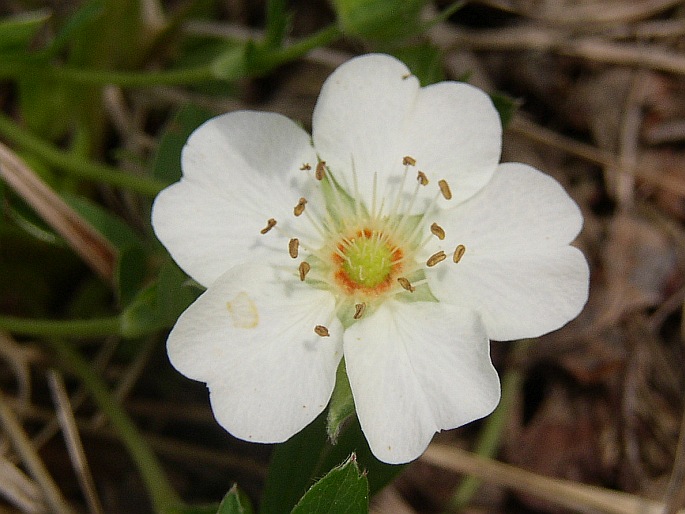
294,247
406,284
304,268
321,331
445,189
422,178
299,208
320,170
436,258
438,231
271,223
408,160
359,310
459,252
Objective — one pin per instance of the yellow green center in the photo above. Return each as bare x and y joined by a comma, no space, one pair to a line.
368,262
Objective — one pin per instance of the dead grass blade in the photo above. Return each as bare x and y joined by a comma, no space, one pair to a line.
29,456
65,416
93,248
19,489
562,492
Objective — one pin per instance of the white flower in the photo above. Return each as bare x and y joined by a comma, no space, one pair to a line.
391,237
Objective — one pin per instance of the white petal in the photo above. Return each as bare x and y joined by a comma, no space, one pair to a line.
415,369
517,271
371,113
239,170
251,337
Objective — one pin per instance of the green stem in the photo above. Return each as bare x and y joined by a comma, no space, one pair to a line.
490,437
98,327
76,165
163,496
322,38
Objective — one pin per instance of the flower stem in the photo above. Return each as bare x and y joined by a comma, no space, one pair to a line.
491,435
77,165
99,327
163,496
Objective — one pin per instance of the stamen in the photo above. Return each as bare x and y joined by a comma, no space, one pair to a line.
321,331
438,231
406,284
304,268
271,223
320,170
299,208
306,167
436,258
294,247
422,178
359,310
445,189
459,252
408,160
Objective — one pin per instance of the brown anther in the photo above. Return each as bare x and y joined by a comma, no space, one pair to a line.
306,167
459,252
304,268
422,178
294,247
271,223
320,170
445,189
299,208
359,310
321,331
438,231
408,160
406,284
436,258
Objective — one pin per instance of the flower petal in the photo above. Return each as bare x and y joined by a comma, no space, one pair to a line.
239,170
251,337
371,113
517,271
417,368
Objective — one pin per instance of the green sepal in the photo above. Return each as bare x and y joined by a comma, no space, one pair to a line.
235,502
344,490
341,407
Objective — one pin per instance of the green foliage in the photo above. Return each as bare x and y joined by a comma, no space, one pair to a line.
379,20
16,32
341,406
344,490
235,502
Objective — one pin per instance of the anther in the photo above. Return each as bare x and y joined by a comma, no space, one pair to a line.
406,284
422,178
320,170
306,167
445,189
436,258
359,310
293,247
271,223
299,208
304,268
408,160
459,252
438,231
321,331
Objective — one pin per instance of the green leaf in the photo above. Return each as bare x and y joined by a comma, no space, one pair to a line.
130,272
16,32
341,406
424,60
344,490
506,106
235,502
113,228
292,468
167,163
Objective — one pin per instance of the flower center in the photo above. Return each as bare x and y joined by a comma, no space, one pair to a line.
366,261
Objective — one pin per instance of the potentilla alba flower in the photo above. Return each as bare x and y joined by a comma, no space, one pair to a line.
390,237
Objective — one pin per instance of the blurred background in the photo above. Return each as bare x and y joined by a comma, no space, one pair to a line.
96,100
